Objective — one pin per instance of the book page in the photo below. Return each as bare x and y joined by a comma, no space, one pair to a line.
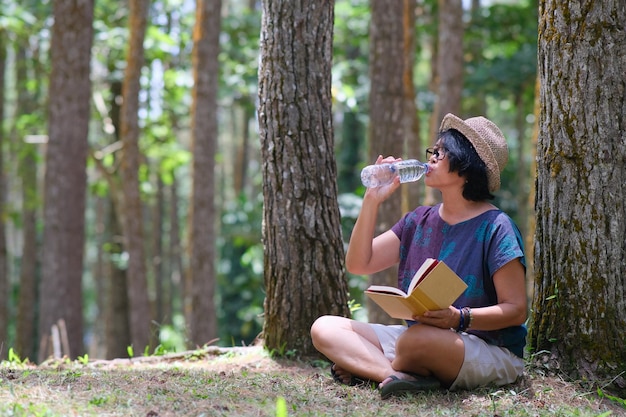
440,288
422,272
386,290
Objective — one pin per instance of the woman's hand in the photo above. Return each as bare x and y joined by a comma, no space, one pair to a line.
447,318
380,194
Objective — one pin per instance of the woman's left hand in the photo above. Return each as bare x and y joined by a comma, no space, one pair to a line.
447,318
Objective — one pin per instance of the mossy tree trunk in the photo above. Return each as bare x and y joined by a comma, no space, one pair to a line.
303,266
579,307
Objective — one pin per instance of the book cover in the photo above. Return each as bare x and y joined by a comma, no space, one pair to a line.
434,286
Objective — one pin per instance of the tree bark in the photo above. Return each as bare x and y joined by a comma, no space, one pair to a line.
66,179
392,111
132,215
204,130
580,250
304,271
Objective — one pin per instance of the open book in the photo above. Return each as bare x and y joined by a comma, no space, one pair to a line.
433,287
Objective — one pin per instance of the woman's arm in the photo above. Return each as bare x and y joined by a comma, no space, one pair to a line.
368,254
510,311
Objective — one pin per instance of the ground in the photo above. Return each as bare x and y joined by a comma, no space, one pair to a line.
247,381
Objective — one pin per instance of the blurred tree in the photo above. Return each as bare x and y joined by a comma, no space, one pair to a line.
304,272
132,215
350,91
202,317
27,120
116,309
580,251
392,109
504,69
4,275
65,179
449,62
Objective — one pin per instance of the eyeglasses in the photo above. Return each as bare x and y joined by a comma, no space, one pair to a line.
438,153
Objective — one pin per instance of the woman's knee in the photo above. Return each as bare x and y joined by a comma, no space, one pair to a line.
419,342
322,327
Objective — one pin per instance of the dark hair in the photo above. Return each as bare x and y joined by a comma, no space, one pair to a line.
464,160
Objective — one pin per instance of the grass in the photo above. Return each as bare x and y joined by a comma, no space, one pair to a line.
248,382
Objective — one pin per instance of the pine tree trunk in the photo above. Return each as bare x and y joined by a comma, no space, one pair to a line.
203,320
66,179
304,270
391,118
580,253
132,215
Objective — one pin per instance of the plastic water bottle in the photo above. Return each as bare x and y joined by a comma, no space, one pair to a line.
382,174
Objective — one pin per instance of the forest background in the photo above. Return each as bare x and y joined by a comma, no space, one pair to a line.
499,75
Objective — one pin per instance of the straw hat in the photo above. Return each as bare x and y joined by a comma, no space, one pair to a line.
488,141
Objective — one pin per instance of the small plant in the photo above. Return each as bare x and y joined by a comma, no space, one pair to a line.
14,358
83,360
99,401
618,400
129,350
281,407
353,305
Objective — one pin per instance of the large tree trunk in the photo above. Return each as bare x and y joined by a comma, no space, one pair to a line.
203,321
132,215
304,270
66,179
392,117
580,254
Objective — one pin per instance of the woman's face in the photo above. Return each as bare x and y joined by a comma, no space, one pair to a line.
439,175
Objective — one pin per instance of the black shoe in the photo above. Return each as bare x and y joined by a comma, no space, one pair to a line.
401,386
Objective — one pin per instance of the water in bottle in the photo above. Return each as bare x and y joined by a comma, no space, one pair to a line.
378,175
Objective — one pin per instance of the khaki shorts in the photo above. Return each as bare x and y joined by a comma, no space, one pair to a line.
484,364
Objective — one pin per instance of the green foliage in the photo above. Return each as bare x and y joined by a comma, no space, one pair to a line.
508,34
240,272
238,58
618,400
14,358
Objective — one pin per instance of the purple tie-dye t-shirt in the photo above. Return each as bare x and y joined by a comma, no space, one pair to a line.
475,249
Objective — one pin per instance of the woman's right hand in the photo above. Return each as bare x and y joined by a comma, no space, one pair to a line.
380,194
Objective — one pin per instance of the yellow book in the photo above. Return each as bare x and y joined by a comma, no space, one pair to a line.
433,287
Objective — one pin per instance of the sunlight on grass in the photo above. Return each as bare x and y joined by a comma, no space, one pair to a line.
248,381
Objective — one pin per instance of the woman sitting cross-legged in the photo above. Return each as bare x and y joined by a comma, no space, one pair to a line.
477,341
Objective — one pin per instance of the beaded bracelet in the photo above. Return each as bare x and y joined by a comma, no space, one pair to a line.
465,320
470,317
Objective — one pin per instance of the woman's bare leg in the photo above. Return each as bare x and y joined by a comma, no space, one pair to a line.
353,346
430,351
